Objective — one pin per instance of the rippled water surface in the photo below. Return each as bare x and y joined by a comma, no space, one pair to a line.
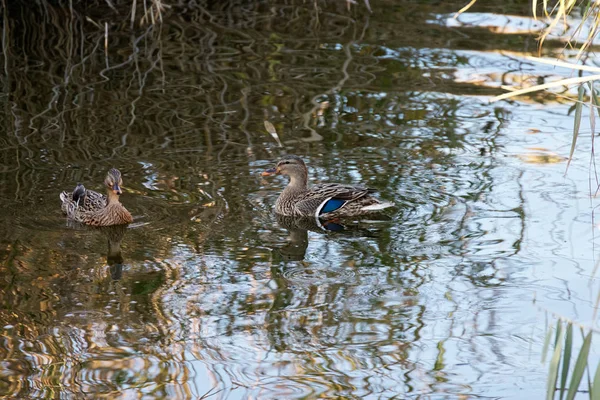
208,293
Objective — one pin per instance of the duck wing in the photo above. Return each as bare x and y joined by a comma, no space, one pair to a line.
81,200
93,201
328,197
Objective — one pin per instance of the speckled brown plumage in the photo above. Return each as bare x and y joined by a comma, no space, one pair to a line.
94,209
299,200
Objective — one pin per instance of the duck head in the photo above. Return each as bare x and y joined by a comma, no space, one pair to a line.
288,165
113,181
292,166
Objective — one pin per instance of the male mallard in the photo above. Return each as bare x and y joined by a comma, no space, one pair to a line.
95,209
325,200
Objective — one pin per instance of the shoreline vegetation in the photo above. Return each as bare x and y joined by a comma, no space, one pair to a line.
578,46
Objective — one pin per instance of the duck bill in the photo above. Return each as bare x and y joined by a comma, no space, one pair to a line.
269,172
116,189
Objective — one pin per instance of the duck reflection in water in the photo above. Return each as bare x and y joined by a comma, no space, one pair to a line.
298,227
114,257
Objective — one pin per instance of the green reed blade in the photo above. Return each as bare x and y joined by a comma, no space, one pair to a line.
595,395
546,344
595,98
578,109
579,368
555,362
566,359
559,332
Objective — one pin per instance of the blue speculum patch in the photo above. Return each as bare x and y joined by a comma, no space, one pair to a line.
332,205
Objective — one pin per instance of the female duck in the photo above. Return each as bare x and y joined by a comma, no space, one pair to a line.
325,200
95,209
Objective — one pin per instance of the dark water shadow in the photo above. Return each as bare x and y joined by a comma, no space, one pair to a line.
114,237
114,256
298,228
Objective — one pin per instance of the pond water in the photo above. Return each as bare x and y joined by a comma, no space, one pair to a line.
208,294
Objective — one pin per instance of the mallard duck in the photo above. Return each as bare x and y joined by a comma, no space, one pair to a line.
95,209
325,200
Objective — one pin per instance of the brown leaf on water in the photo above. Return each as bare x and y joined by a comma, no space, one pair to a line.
541,156
322,107
271,129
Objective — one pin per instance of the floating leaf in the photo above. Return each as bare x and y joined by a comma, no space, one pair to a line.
271,129
540,156
322,107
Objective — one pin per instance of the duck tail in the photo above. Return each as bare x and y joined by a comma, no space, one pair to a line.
64,196
378,206
79,193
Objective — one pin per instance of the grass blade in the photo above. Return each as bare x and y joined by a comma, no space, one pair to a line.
577,124
558,332
533,7
595,100
562,82
595,395
580,365
465,8
555,362
545,6
546,344
566,359
563,64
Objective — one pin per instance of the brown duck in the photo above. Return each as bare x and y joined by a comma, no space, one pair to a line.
95,209
325,200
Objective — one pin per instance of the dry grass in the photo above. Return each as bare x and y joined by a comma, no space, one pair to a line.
557,14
